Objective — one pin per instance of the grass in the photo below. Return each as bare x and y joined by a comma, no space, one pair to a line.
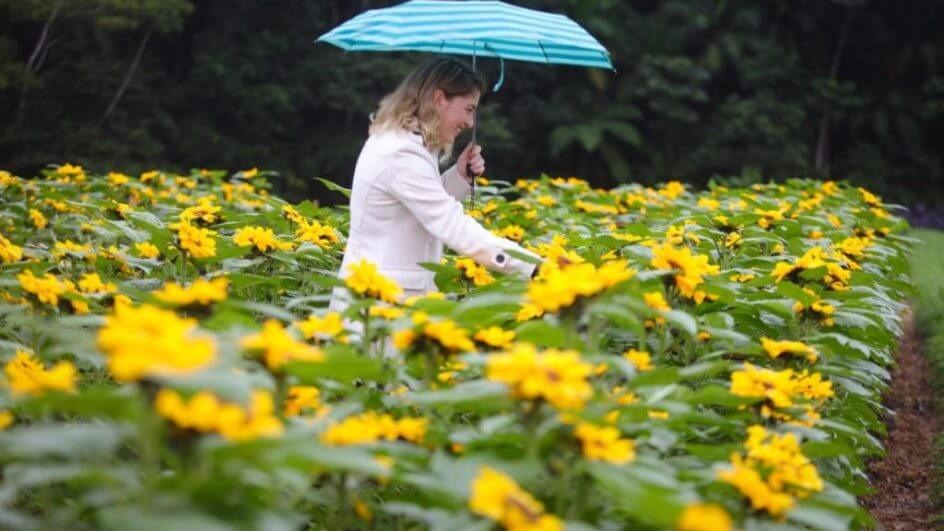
927,274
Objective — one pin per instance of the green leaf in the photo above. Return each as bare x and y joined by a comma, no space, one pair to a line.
76,441
343,363
335,187
138,518
477,395
541,333
683,321
632,491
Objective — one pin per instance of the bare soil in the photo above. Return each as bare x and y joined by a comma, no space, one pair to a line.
904,498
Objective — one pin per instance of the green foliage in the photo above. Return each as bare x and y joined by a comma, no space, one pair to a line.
703,89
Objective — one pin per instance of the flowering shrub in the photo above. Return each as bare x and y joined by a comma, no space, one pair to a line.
681,360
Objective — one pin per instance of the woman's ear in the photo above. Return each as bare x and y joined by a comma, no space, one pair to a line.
439,98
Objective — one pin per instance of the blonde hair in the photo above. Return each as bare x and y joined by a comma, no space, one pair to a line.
410,107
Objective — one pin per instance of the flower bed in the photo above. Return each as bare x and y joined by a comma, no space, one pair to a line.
709,360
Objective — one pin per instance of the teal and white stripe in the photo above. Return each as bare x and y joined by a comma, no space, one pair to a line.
481,28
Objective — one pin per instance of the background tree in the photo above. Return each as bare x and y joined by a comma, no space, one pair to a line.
705,89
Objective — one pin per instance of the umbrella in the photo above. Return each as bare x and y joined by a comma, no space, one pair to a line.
476,28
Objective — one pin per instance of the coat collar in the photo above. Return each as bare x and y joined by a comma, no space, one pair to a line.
416,137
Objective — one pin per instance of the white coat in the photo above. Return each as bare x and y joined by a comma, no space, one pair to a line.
403,211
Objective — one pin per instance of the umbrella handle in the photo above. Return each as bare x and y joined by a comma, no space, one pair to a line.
475,125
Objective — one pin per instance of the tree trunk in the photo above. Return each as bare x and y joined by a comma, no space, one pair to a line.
127,80
822,162
31,67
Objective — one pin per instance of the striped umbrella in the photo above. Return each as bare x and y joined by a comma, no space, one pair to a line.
477,28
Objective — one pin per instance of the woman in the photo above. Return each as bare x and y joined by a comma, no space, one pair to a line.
402,209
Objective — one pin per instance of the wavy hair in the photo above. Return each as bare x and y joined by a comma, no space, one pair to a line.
410,106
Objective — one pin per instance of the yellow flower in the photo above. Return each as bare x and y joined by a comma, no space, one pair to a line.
386,312
38,219
450,369
768,217
558,376
6,418
205,413
528,311
364,279
709,203
200,413
258,420
555,253
196,241
314,327
672,189
603,443
117,179
497,497
201,292
776,386
262,238
314,232
147,250
690,269
204,211
750,483
301,398
870,198
512,232
813,387
362,511
278,347
8,179
403,339
47,288
776,348
704,517
640,359
68,246
595,208
27,376
546,200
9,253
772,471
69,170
742,277
92,283
149,176
656,301
449,335
733,239
148,341
495,336
557,288
370,427
292,214
474,272
657,415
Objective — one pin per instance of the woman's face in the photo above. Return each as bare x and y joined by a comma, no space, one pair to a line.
455,114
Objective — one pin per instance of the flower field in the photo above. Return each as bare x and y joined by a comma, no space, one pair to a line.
683,360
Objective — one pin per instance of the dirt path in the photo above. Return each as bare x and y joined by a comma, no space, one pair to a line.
904,479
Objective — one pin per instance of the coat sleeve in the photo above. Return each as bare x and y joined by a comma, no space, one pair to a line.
415,183
455,184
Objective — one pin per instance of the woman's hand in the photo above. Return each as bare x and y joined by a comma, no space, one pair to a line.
471,159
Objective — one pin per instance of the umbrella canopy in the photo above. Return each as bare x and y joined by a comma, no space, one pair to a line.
476,28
